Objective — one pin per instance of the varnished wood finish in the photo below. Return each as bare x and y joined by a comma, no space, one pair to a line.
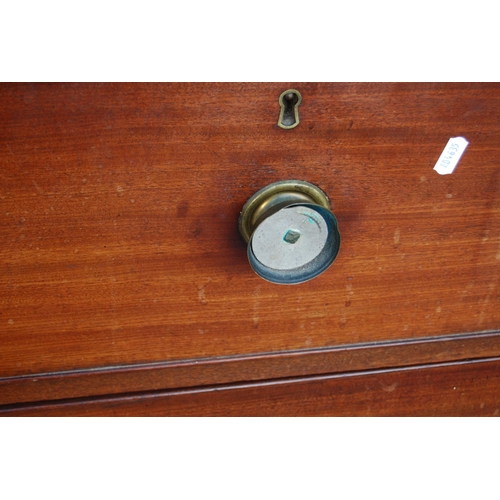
119,240
186,374
458,389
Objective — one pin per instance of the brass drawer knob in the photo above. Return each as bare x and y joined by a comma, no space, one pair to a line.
291,233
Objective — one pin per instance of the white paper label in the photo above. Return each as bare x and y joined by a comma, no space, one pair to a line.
451,155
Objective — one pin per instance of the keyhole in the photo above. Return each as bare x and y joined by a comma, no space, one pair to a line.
289,114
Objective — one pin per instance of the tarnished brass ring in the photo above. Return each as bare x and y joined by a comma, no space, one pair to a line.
274,197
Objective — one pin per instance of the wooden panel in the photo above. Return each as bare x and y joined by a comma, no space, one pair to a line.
118,210
206,372
460,389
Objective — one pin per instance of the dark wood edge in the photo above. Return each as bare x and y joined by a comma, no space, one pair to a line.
252,368
435,385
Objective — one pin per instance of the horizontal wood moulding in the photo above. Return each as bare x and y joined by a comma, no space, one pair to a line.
195,373
451,389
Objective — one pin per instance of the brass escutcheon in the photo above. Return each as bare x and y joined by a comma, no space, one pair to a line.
289,101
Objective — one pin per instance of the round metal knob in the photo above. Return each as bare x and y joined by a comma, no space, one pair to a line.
291,233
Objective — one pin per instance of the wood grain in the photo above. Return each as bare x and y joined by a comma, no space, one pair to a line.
119,207
456,389
234,369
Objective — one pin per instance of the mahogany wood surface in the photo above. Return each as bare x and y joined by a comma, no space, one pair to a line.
158,376
119,241
454,389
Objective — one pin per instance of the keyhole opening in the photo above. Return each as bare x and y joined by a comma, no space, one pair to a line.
289,115
289,101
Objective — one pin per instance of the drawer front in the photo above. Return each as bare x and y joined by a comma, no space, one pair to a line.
454,389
